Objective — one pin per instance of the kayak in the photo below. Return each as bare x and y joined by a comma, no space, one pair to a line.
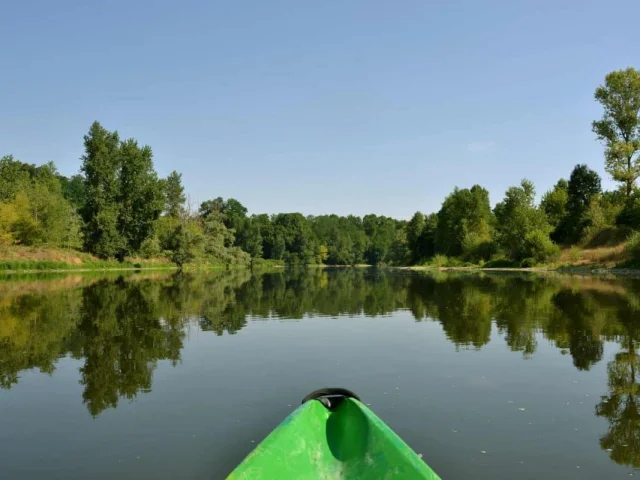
332,435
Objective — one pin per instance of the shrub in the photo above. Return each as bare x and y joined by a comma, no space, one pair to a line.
439,261
539,247
501,263
630,214
575,254
633,246
528,263
150,248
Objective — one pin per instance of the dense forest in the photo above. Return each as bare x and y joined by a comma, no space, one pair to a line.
118,207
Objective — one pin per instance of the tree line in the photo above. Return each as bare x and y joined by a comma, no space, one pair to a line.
117,206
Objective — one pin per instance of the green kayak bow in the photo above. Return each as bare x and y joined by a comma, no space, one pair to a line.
332,435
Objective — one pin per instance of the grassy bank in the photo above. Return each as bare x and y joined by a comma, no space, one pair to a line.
571,259
47,259
20,259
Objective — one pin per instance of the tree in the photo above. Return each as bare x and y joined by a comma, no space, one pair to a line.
13,176
381,232
140,198
183,243
38,211
100,166
554,202
619,128
520,224
234,213
174,195
583,187
249,239
464,212
414,234
124,197
73,189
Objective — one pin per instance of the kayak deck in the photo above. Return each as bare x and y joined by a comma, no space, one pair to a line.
348,442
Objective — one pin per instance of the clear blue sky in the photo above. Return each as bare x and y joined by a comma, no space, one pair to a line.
323,106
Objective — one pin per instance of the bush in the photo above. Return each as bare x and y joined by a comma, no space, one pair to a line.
630,214
150,248
501,263
633,246
439,261
539,247
528,263
575,254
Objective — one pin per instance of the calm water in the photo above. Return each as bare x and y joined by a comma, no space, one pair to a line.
179,376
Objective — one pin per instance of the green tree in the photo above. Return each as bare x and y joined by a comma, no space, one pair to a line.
584,186
518,219
184,242
619,127
464,213
414,236
140,199
554,202
13,176
174,195
630,213
101,167
381,233
73,189
249,238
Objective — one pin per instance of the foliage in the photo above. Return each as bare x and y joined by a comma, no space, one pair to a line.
554,202
519,222
630,213
464,213
619,127
34,208
124,197
583,188
174,195
150,248
415,227
539,247
633,246
100,166
183,243
528,263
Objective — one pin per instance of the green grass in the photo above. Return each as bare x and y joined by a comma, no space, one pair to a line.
10,265
441,261
261,263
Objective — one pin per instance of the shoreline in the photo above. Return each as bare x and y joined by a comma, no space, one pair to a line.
570,270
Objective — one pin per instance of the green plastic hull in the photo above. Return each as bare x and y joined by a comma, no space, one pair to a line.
350,442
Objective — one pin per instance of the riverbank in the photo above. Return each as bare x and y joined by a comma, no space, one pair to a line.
45,259
19,259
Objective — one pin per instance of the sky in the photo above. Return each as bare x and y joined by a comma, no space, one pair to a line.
318,107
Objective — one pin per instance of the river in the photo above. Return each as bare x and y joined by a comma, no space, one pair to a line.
157,376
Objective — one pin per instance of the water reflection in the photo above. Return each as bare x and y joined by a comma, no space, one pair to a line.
120,328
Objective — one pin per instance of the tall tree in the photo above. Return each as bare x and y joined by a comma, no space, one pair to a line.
619,127
174,195
583,187
414,234
141,198
554,202
101,167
